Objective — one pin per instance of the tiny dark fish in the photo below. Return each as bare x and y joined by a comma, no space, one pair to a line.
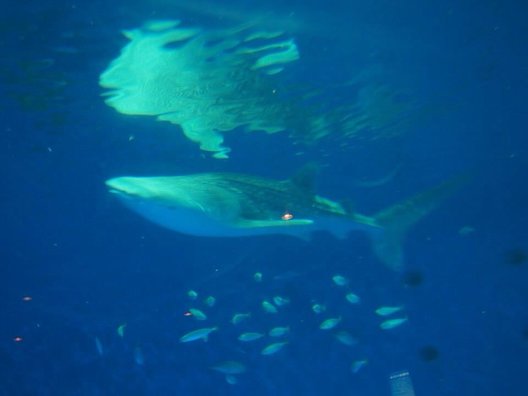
429,353
516,257
412,278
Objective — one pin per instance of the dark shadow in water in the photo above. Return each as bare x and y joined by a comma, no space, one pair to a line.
428,353
516,257
412,278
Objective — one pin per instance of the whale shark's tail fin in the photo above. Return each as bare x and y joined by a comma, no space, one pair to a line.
397,219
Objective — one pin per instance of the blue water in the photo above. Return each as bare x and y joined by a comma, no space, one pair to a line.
75,264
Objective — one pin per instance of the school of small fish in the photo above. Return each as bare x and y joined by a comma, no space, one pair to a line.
273,340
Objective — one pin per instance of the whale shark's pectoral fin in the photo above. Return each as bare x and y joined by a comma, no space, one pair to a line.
273,223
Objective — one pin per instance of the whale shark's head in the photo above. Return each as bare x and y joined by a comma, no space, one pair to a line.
180,203
159,199
167,191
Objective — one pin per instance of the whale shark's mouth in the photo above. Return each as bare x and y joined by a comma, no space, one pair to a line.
121,184
123,195
122,189
126,196
113,189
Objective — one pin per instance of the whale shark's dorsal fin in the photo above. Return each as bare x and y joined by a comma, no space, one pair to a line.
304,178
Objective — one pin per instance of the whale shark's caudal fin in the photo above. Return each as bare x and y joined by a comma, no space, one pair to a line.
397,219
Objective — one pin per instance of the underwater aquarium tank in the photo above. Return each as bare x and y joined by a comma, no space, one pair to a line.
263,198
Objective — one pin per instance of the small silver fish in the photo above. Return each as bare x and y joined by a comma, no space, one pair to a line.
358,365
269,307
318,308
340,280
192,294
99,346
231,379
466,230
199,334
388,310
121,330
353,298
250,336
210,301
344,337
229,367
197,314
138,356
330,323
240,317
392,323
280,301
279,331
273,348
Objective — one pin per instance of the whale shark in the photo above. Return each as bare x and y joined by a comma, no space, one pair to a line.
239,205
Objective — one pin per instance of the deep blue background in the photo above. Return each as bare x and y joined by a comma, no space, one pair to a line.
90,265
